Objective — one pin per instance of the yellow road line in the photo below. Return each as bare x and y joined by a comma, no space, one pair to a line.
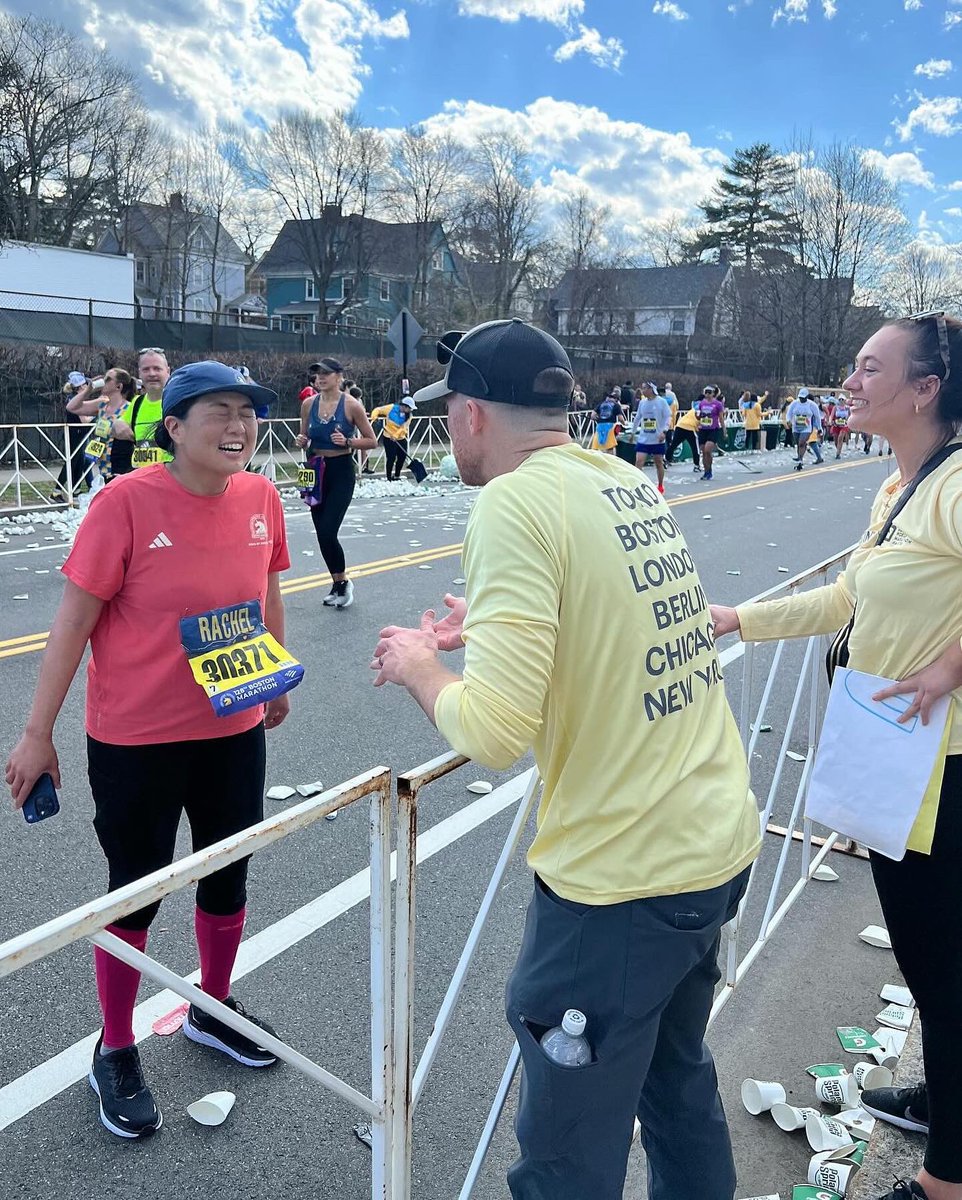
303,583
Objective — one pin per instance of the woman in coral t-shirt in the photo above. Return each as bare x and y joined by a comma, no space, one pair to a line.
174,580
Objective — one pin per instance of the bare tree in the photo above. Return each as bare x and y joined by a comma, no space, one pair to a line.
925,278
501,220
424,186
65,106
322,173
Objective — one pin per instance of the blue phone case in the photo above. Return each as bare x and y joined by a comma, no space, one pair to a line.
42,801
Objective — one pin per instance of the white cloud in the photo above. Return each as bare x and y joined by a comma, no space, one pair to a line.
952,212
913,5
604,52
935,68
644,174
201,61
792,10
935,116
829,8
950,20
667,8
955,186
904,168
558,12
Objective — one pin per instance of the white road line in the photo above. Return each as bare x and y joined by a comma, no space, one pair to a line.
50,1078
731,654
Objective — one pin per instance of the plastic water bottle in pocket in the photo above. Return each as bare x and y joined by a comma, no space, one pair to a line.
566,1044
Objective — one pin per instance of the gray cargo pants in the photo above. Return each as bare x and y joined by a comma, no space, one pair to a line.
643,972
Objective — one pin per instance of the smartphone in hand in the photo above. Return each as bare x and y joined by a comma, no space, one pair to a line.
42,801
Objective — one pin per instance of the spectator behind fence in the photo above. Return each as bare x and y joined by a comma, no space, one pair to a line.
901,604
751,412
105,409
78,430
135,430
629,892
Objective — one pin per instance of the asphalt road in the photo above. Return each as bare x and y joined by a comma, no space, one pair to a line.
286,1136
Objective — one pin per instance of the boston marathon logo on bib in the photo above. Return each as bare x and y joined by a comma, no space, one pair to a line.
234,658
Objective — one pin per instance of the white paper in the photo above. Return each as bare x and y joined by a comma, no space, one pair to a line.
875,796
894,993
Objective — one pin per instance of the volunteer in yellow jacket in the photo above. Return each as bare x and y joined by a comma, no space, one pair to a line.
394,435
906,597
631,889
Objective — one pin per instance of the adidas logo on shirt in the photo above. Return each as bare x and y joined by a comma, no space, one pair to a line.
160,541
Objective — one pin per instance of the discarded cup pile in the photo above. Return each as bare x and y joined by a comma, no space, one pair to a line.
839,1136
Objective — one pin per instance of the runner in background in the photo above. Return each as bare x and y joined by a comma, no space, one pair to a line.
711,425
840,432
101,447
804,418
362,455
172,552
134,430
333,425
394,434
650,427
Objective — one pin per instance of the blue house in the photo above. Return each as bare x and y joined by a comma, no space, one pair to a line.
369,271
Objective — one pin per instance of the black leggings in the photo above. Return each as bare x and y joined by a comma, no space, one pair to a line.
920,901
683,435
77,438
140,791
337,490
395,452
751,439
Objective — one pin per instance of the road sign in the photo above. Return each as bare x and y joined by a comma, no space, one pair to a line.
404,334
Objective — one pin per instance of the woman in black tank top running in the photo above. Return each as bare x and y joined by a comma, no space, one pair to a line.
333,424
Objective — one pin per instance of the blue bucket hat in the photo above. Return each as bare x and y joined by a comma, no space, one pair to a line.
204,378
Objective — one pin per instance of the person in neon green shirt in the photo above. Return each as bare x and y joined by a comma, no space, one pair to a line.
645,832
140,418
904,601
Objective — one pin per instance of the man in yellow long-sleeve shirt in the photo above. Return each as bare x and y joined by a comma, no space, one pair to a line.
394,435
646,830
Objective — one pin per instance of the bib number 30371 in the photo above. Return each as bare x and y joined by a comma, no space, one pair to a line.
234,658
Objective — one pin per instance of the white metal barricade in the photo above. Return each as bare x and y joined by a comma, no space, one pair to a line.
90,921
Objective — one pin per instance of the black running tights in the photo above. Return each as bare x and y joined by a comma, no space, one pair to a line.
920,901
395,452
337,490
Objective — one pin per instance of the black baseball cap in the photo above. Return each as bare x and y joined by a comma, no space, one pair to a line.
326,366
501,361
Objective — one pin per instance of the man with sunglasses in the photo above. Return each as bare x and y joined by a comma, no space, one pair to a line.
134,429
639,754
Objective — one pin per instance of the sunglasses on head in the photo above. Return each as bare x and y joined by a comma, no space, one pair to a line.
938,316
447,349
151,350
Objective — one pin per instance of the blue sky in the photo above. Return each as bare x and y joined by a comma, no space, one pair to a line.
638,100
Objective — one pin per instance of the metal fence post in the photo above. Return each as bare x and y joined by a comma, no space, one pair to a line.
90,322
382,1039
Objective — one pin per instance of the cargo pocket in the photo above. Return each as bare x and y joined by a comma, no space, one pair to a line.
555,1100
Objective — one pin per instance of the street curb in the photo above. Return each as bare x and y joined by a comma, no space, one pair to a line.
894,1153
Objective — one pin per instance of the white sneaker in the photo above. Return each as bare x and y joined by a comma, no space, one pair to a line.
330,600
345,597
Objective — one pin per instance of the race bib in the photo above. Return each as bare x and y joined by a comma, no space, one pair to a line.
146,456
705,421
234,658
801,424
306,478
649,424
841,420
95,448
102,427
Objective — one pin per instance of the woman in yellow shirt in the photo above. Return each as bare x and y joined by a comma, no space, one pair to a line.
904,601
686,423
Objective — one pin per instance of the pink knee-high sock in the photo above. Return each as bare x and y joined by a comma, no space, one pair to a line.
217,942
117,988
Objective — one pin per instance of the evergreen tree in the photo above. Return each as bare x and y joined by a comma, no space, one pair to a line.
748,211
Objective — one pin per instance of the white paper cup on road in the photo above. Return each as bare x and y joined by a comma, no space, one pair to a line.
212,1109
870,1075
825,1133
790,1118
823,1172
758,1095
840,1090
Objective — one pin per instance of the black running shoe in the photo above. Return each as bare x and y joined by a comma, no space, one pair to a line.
905,1191
126,1106
908,1108
330,600
208,1031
